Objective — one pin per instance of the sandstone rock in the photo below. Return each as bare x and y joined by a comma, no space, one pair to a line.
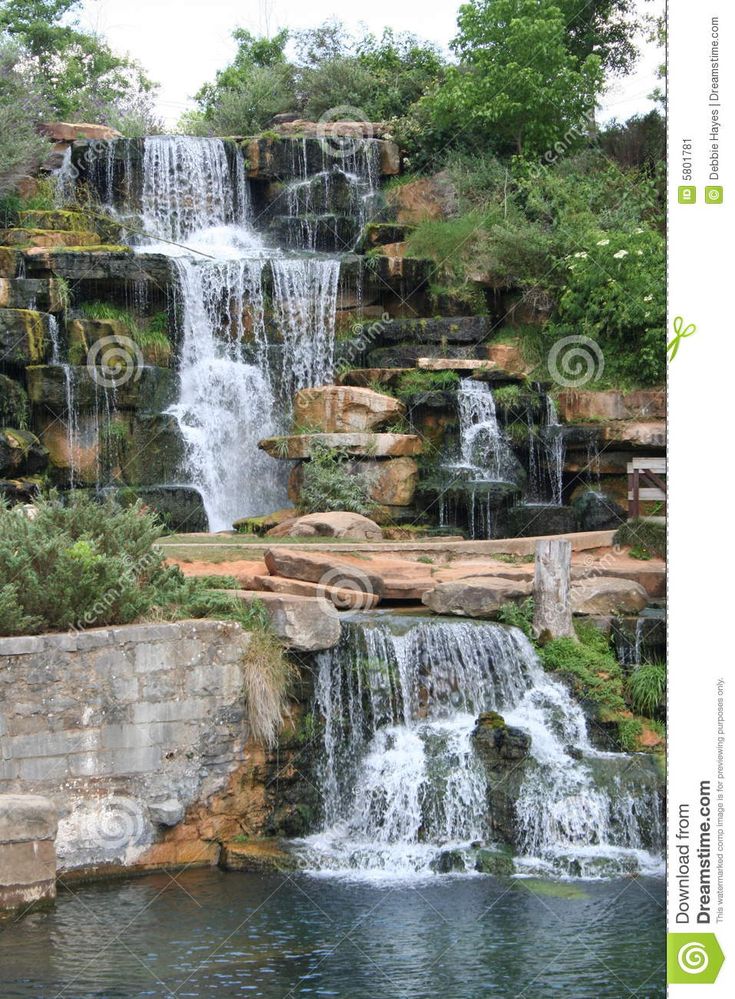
508,357
324,568
643,404
21,453
454,364
337,524
390,482
370,445
606,595
475,597
390,158
64,131
166,813
44,294
635,434
503,751
45,239
302,623
8,262
429,198
261,856
24,336
337,409
343,597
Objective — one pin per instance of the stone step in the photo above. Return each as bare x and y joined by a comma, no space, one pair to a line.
57,219
454,364
25,336
45,238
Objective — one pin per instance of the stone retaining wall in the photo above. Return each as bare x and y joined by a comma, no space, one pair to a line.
27,856
123,728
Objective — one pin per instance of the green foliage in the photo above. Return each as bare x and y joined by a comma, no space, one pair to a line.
594,674
79,565
645,534
22,105
327,485
517,79
518,615
647,688
416,382
614,294
150,335
630,731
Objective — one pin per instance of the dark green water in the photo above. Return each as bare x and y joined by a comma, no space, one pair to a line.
222,935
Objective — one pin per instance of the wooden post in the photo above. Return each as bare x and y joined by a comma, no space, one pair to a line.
552,616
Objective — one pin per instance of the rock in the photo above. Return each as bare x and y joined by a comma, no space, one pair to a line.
508,357
261,525
606,595
448,861
337,524
24,336
504,752
474,597
261,856
149,388
342,597
635,434
13,403
21,453
167,813
390,482
337,409
426,199
64,131
44,294
597,512
43,238
439,330
27,853
453,364
324,568
302,623
179,507
8,262
643,404
494,862
390,158
370,445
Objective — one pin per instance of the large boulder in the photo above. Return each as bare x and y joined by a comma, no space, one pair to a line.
503,751
605,595
344,409
426,199
304,624
65,131
390,482
25,336
480,596
358,444
337,524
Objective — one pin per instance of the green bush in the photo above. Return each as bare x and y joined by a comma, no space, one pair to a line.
594,674
645,535
83,564
647,688
518,615
150,335
327,485
417,382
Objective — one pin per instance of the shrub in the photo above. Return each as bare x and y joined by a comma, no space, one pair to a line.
327,485
416,382
647,688
594,674
83,564
645,535
518,616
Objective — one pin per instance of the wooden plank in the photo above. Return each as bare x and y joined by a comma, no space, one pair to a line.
653,479
647,494
652,464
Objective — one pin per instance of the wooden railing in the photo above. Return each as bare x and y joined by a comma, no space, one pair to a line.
645,483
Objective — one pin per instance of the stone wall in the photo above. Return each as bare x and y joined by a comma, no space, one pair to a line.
127,730
27,856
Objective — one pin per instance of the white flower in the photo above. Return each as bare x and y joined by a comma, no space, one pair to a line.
648,298
639,253
639,231
620,254
603,242
582,254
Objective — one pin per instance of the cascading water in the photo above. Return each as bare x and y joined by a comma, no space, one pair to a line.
554,445
401,781
232,390
484,447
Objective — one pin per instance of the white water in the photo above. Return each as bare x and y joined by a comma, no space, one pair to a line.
401,782
554,444
191,199
484,448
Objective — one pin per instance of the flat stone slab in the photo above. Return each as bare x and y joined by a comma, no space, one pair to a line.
475,597
605,595
345,409
325,569
302,623
342,597
370,445
454,364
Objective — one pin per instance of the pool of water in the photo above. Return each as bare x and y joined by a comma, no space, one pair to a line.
207,933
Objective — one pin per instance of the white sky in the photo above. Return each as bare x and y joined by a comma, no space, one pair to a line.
182,43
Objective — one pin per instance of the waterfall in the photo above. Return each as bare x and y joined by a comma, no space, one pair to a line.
484,447
400,779
305,306
555,450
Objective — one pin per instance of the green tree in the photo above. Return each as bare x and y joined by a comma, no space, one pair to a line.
21,107
605,28
517,80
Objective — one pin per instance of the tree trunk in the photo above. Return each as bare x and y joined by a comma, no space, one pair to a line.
552,616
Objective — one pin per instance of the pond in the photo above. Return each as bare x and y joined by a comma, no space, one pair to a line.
207,933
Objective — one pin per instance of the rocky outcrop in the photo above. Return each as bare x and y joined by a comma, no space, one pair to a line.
27,852
426,199
326,569
365,445
64,131
475,597
604,595
303,624
504,752
342,409
342,597
574,405
24,336
336,524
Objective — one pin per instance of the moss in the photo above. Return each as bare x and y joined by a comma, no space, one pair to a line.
96,248
491,719
644,535
417,382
